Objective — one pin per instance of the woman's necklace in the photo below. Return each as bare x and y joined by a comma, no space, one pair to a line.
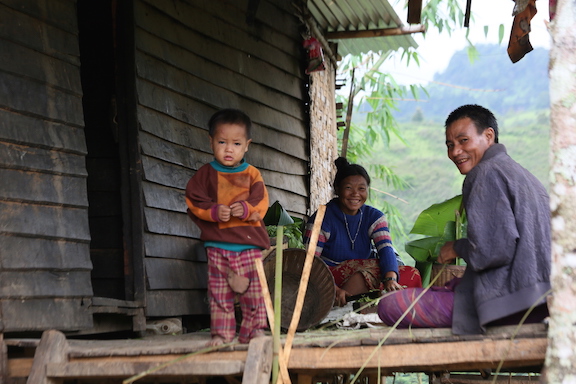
357,230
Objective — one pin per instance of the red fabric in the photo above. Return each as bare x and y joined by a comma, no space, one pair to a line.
370,270
221,296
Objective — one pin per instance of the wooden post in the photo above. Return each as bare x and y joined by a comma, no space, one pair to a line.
53,348
258,361
3,360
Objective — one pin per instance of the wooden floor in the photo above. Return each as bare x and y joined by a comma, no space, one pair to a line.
371,352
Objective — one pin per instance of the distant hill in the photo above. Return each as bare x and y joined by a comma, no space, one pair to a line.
492,80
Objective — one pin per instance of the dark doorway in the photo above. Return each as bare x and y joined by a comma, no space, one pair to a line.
104,162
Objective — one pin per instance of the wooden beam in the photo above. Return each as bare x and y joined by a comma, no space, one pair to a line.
414,11
375,32
423,357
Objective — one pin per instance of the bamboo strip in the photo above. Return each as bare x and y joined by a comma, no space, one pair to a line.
304,281
270,312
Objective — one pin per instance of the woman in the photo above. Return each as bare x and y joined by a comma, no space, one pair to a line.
354,239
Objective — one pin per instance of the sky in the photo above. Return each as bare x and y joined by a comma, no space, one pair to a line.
435,50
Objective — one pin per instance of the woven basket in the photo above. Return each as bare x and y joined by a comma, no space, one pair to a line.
448,273
320,292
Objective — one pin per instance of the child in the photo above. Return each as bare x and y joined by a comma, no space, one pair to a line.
227,199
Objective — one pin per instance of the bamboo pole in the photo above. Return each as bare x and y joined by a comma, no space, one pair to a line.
270,312
277,304
304,281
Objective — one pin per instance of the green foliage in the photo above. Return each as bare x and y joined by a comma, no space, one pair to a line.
293,232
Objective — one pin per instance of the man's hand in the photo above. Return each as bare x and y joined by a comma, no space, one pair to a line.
224,213
447,253
237,209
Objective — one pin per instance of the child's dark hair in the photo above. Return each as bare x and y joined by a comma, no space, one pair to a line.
480,116
230,116
345,169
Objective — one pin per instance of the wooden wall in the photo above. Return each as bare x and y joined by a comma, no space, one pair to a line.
44,235
192,58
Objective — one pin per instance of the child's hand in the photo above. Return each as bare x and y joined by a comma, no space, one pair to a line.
237,209
224,213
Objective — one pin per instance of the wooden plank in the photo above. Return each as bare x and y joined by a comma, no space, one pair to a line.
22,129
43,187
293,183
294,204
33,33
216,51
116,369
19,368
40,159
271,46
176,303
174,247
170,223
52,349
175,154
31,97
189,134
258,361
23,61
453,356
51,283
27,252
59,12
39,314
159,196
191,74
197,66
181,106
164,173
163,273
279,19
44,221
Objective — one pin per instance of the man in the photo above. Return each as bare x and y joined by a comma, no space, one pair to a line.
508,245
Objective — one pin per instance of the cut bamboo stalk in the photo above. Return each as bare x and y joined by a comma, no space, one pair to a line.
304,281
270,312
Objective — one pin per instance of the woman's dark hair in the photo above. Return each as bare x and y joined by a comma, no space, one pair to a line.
480,116
345,169
230,116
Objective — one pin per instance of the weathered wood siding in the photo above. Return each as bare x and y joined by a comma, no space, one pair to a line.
44,235
192,58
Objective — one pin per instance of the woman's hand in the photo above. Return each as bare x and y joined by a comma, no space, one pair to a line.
392,285
341,295
390,282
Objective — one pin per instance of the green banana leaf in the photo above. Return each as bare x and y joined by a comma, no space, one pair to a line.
277,215
432,220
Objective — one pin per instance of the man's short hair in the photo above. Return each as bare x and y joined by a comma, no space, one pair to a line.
480,116
230,116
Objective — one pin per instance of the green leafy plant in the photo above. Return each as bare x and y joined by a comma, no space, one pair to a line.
439,223
293,232
292,226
